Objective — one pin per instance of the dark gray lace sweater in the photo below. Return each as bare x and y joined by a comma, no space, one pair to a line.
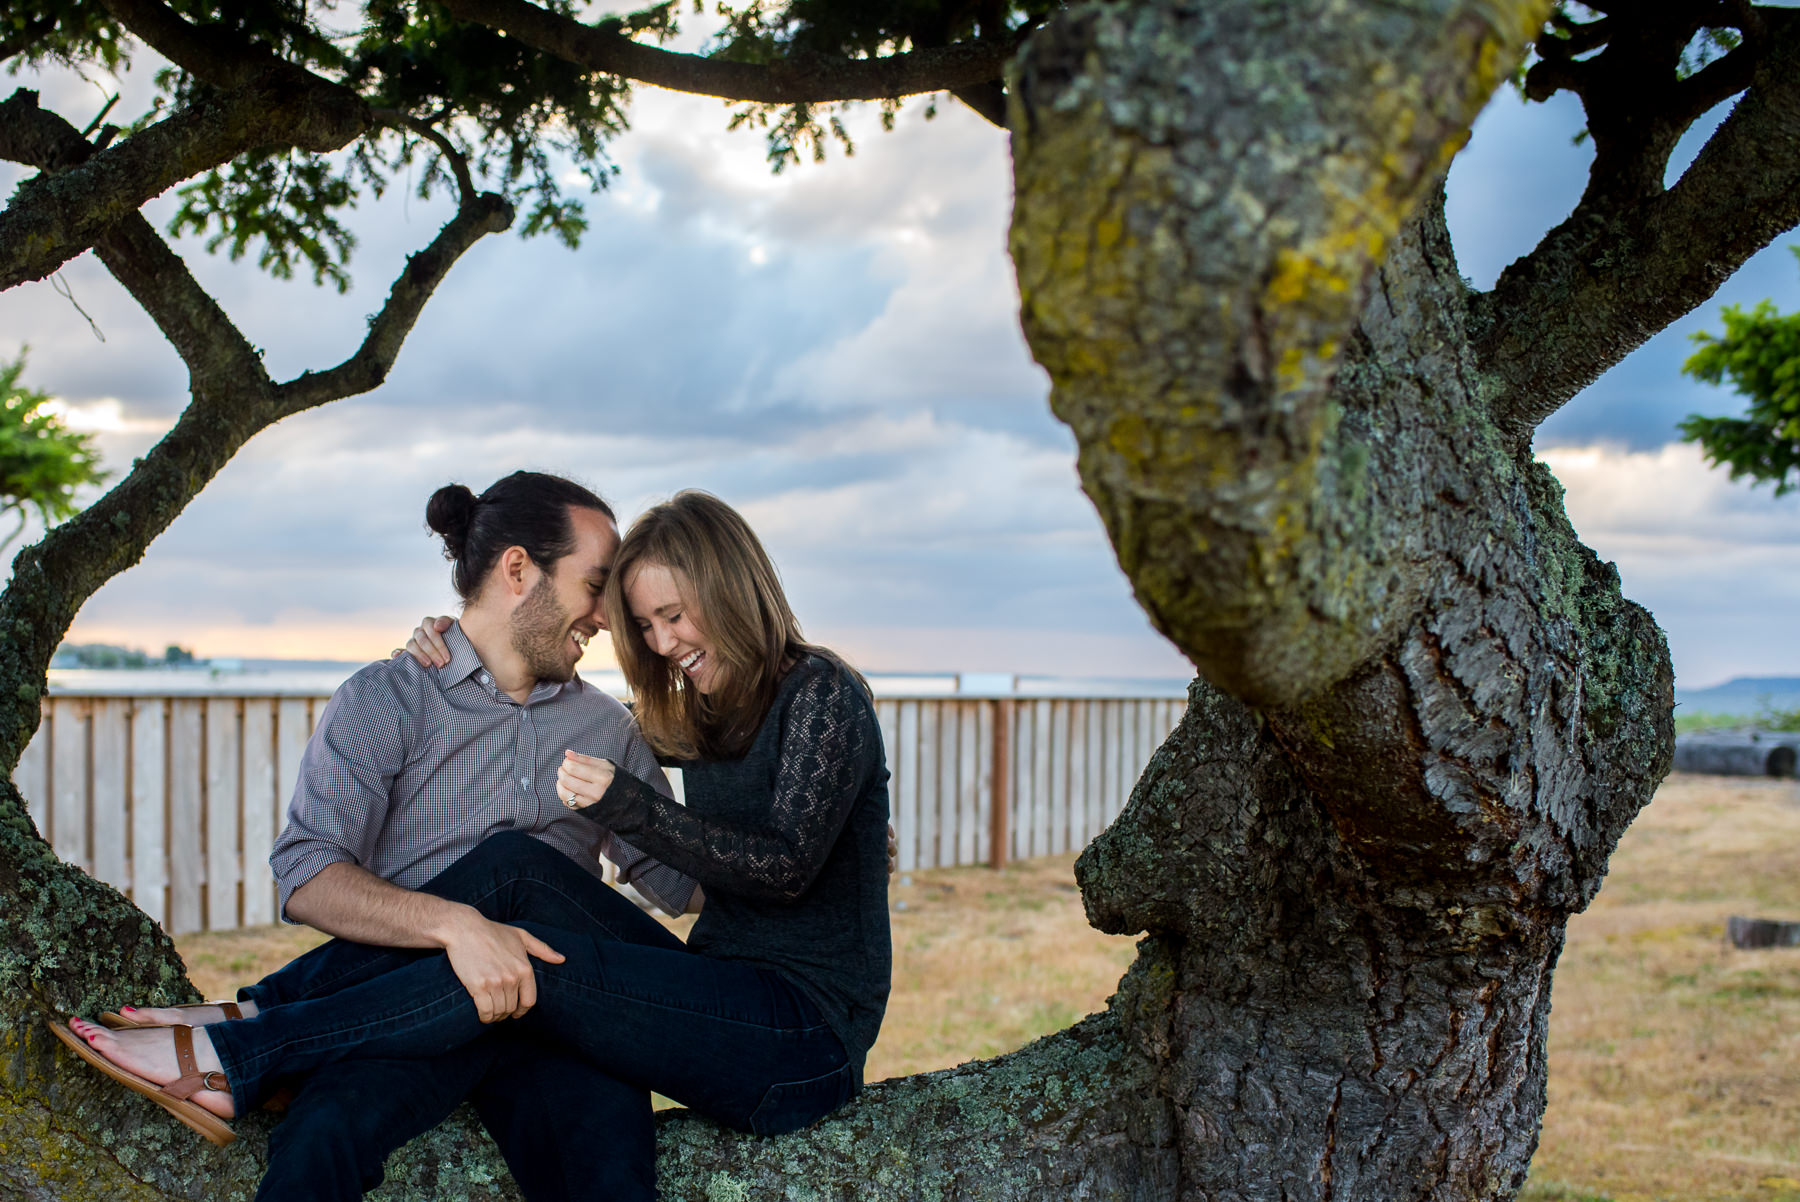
790,843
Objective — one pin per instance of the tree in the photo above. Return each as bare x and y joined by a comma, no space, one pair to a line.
1425,712
1759,353
42,461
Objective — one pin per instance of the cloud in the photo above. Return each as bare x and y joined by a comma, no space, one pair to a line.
1717,563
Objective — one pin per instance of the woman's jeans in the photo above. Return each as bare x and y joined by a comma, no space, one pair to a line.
735,1042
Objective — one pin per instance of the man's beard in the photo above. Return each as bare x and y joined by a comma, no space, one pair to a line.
540,633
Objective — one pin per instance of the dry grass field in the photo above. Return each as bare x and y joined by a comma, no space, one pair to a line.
1674,1059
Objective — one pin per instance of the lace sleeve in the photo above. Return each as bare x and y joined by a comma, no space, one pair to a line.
826,741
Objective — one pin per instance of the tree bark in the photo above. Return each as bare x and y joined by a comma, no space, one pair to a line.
1359,886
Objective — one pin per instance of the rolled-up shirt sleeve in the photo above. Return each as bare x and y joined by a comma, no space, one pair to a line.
340,800
669,889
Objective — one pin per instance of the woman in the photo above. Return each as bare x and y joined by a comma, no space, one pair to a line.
764,1020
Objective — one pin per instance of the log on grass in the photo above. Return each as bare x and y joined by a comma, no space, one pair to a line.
1761,932
1752,753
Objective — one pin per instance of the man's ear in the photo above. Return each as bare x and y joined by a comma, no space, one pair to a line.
515,570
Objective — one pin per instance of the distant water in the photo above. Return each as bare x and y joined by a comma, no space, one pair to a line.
279,677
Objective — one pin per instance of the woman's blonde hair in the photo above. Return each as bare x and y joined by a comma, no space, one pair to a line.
733,594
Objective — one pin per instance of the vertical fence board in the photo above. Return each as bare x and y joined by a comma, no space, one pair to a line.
1146,733
1078,817
1041,751
1058,840
224,806
999,752
149,799
1021,780
906,784
927,778
32,776
969,818
260,809
887,716
1119,786
69,781
1127,743
293,728
949,774
110,816
1093,760
187,871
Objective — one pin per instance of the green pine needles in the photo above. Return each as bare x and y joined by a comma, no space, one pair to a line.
42,462
1759,355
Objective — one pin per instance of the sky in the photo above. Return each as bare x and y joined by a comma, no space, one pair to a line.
836,351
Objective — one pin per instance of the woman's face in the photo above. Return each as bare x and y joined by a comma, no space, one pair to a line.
656,597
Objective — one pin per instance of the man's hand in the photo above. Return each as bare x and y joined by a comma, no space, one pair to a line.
493,961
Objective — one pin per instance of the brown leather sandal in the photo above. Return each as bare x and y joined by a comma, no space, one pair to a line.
119,1022
175,1097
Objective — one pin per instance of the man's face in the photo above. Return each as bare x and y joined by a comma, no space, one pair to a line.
561,612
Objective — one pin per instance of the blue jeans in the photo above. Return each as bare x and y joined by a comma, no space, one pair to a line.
736,1042
349,1116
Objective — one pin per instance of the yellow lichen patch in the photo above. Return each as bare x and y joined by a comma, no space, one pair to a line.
1298,275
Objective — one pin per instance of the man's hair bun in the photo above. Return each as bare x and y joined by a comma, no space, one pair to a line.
450,512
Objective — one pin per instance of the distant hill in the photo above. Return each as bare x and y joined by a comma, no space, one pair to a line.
1741,695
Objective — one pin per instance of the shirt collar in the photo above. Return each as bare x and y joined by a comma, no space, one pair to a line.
464,663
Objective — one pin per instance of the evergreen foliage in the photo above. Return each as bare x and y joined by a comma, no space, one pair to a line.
1759,355
42,461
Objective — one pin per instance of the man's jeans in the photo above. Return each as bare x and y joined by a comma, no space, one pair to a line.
349,1116
736,1042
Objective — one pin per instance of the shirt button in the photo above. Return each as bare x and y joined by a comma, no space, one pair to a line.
524,782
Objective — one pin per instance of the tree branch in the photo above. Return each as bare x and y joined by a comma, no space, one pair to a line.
155,276
368,367
459,165
1608,278
810,79
208,53
54,217
1193,341
987,99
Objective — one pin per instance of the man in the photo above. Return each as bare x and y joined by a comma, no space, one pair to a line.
409,769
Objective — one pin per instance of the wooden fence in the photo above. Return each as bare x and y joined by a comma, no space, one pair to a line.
176,800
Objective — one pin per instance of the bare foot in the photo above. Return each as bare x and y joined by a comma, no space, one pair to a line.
150,1053
186,1016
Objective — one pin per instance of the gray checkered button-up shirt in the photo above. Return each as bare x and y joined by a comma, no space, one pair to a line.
411,767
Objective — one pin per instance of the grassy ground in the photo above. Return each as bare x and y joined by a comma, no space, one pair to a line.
1674,1058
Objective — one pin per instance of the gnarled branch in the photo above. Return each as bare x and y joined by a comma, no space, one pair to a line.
54,217
369,366
810,79
1608,278
1192,340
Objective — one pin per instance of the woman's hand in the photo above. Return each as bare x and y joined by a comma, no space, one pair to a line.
427,645
581,780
